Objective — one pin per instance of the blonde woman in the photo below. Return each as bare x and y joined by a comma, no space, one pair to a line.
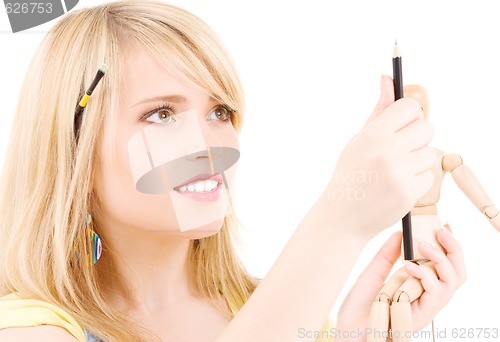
168,270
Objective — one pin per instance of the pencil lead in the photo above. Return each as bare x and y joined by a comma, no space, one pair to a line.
396,51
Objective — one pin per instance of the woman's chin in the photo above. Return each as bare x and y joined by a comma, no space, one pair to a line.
198,232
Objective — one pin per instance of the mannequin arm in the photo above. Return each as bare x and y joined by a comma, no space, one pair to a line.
471,187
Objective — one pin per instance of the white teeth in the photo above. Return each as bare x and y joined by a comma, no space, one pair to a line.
203,186
199,187
210,185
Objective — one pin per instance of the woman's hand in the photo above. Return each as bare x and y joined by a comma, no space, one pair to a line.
384,169
438,286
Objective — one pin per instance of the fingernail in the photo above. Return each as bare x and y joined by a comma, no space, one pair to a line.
446,228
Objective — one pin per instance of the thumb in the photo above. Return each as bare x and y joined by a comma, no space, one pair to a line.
386,97
381,265
372,279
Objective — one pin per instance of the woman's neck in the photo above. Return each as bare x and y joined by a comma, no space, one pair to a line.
144,270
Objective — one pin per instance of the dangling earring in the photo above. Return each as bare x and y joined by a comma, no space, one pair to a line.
95,241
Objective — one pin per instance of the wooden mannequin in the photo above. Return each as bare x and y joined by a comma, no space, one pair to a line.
391,309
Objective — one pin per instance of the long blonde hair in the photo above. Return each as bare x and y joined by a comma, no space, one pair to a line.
46,185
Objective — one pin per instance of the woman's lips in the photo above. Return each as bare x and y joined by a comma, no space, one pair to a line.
204,187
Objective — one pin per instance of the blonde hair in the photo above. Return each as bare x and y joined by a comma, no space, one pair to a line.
46,185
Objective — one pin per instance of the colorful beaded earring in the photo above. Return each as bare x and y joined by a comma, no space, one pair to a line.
95,241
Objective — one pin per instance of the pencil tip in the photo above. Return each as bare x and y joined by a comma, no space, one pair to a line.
396,50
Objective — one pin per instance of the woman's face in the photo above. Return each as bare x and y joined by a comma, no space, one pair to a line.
173,155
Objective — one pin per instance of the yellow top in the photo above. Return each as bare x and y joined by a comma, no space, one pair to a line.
18,312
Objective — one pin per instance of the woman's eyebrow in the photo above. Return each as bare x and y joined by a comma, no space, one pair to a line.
164,98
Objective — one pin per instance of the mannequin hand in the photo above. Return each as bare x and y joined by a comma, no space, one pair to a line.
384,169
438,286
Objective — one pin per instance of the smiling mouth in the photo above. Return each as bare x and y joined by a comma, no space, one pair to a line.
201,184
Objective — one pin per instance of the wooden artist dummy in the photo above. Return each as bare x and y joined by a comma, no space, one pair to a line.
391,312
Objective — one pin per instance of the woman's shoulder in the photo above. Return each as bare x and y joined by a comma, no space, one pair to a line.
327,332
22,318
38,333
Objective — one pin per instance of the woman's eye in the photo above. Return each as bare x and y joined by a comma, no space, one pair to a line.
163,115
220,113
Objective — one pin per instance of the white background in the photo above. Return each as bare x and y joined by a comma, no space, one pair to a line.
311,73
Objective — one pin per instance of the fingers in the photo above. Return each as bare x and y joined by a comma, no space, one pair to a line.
444,268
427,276
416,135
450,267
422,183
372,279
419,161
439,278
386,97
395,282
422,159
411,287
398,115
434,294
453,253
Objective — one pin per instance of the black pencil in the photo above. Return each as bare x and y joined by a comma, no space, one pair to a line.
397,73
83,101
